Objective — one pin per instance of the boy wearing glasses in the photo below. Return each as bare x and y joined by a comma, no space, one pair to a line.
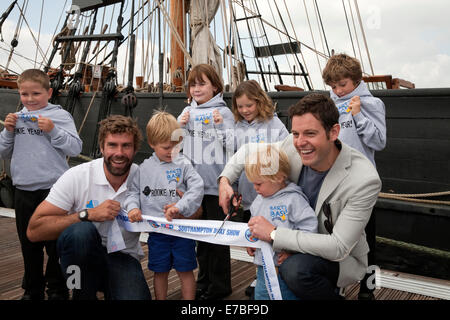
279,201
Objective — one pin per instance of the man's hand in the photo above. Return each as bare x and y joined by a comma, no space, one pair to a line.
135,215
10,121
261,228
355,105
45,124
225,194
107,210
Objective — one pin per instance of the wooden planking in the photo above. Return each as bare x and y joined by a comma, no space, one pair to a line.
242,273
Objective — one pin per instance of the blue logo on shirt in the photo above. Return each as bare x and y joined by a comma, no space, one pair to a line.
259,138
344,107
173,175
92,204
278,212
26,117
204,118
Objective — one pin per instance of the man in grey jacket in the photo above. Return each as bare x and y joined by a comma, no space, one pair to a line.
342,186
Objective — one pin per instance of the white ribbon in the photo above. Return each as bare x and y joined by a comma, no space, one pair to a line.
232,233
114,242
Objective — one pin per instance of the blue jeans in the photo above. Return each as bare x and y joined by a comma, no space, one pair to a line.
117,274
261,292
310,277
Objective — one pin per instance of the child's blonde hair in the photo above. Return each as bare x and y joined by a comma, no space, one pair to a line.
342,66
161,128
253,91
34,75
267,163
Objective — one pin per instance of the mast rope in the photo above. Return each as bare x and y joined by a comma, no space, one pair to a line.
312,37
319,17
39,33
54,34
348,27
16,33
413,197
272,26
364,36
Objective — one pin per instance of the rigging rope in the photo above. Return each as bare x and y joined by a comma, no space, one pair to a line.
227,51
301,51
412,197
53,36
348,27
312,37
414,247
364,36
16,33
321,25
39,34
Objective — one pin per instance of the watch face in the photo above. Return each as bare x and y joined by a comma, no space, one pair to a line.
83,214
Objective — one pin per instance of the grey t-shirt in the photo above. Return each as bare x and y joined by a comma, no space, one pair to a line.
311,181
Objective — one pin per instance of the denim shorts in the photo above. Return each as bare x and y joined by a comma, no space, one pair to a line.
166,252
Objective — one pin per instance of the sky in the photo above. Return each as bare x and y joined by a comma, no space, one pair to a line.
408,39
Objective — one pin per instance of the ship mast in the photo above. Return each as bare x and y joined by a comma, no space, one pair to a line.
177,14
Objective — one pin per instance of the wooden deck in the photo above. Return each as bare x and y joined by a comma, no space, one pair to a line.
242,273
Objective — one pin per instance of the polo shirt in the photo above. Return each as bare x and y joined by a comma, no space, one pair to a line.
84,187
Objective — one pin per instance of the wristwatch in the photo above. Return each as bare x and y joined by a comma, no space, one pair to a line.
272,234
83,215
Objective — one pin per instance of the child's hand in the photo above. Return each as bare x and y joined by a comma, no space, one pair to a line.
184,118
355,105
10,121
283,255
172,213
135,215
45,124
251,251
218,119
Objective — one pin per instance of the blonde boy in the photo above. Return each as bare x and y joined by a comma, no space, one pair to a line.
280,202
154,187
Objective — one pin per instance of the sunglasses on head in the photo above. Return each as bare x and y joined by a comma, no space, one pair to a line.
327,223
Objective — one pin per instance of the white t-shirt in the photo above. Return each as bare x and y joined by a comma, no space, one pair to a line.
85,186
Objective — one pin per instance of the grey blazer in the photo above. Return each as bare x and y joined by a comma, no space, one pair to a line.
351,188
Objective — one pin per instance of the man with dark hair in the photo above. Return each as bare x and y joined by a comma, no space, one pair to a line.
342,186
80,211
